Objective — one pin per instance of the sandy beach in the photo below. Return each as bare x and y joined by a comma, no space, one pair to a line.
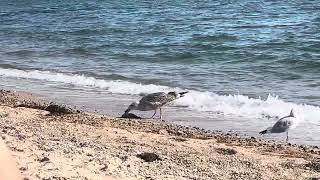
51,141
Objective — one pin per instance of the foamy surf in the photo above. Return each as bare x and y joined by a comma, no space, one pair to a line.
229,105
244,106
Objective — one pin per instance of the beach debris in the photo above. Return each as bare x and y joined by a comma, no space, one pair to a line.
51,107
314,165
179,139
3,114
104,168
226,151
29,104
149,157
21,137
163,132
23,168
130,115
54,177
44,159
60,109
180,133
27,100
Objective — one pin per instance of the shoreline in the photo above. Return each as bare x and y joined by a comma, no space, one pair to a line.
52,141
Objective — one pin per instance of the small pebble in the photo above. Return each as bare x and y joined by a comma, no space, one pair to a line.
23,168
44,159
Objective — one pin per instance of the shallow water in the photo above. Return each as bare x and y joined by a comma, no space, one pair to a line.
241,61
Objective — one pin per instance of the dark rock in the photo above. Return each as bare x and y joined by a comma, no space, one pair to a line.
73,139
44,159
124,158
149,157
314,178
179,139
83,144
130,115
21,137
226,151
104,168
54,178
23,168
180,133
17,149
52,107
314,165
59,109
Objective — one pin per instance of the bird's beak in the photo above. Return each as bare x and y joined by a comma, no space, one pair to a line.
183,93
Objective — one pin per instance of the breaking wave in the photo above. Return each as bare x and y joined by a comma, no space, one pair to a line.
239,105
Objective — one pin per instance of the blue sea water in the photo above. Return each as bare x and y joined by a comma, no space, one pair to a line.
242,61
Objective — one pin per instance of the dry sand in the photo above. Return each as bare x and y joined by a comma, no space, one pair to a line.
50,141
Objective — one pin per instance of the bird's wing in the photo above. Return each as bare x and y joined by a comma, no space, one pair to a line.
282,125
158,98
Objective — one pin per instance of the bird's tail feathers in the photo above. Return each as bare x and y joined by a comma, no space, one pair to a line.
263,132
267,131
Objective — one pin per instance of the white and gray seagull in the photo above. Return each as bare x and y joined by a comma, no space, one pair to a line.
154,101
283,125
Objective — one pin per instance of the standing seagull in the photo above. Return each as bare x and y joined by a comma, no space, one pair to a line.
282,125
154,101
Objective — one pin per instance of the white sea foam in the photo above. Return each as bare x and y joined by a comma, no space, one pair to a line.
238,105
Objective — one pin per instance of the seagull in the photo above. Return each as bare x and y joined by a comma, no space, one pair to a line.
154,101
282,125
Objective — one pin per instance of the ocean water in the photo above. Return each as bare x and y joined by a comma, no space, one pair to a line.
245,63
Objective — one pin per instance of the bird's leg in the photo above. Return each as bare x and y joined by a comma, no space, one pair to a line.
160,114
155,112
287,136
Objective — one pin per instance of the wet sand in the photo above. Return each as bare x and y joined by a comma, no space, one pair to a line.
52,141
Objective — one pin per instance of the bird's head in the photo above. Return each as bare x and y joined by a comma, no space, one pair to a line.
176,94
131,107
